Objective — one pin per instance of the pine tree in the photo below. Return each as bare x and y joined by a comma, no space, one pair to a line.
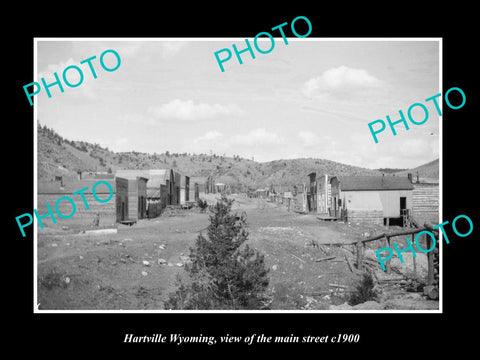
223,273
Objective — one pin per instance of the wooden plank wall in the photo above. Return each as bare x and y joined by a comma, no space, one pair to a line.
425,201
132,200
121,196
365,216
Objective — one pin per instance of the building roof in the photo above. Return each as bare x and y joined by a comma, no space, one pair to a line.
351,183
156,177
54,187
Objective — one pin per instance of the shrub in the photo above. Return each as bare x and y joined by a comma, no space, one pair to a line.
363,291
53,279
223,273
202,204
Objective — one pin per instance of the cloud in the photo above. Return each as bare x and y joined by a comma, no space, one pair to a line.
209,136
188,110
340,79
258,137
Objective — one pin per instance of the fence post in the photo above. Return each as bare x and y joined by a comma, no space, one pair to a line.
387,240
431,271
359,255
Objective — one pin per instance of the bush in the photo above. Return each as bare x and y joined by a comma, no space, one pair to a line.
223,273
53,279
363,291
202,204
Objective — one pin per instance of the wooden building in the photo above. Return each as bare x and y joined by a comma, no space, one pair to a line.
176,186
425,203
373,199
210,185
131,198
160,188
48,192
184,189
200,189
319,195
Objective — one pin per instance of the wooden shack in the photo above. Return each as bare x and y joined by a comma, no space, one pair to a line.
198,191
184,189
372,199
160,188
425,203
48,192
319,193
131,198
176,188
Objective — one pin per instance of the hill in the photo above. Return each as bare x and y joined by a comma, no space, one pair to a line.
61,157
429,172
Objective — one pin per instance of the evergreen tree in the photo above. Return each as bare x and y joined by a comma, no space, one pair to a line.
223,273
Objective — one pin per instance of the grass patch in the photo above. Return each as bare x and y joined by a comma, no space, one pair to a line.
53,279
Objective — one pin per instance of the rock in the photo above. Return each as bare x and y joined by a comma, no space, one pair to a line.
431,291
146,263
80,257
179,264
64,227
144,273
67,280
274,267
162,261
54,245
170,264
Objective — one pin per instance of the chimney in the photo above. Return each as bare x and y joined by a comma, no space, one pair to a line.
409,175
79,175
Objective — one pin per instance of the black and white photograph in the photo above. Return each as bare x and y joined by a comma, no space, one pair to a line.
181,179
230,179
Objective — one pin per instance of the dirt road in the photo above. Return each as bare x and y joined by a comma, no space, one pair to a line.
135,268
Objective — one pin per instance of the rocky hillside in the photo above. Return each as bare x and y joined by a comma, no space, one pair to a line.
58,156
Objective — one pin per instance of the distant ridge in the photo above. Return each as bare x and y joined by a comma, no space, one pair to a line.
427,173
61,157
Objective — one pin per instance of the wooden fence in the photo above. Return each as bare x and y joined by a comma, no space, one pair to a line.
386,238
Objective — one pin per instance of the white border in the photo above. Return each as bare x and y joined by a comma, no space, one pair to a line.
35,228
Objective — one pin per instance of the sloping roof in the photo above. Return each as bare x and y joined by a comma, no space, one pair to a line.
53,187
350,183
156,177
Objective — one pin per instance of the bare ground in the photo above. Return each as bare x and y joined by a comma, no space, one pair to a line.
122,271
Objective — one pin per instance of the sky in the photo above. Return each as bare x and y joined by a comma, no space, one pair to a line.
312,98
